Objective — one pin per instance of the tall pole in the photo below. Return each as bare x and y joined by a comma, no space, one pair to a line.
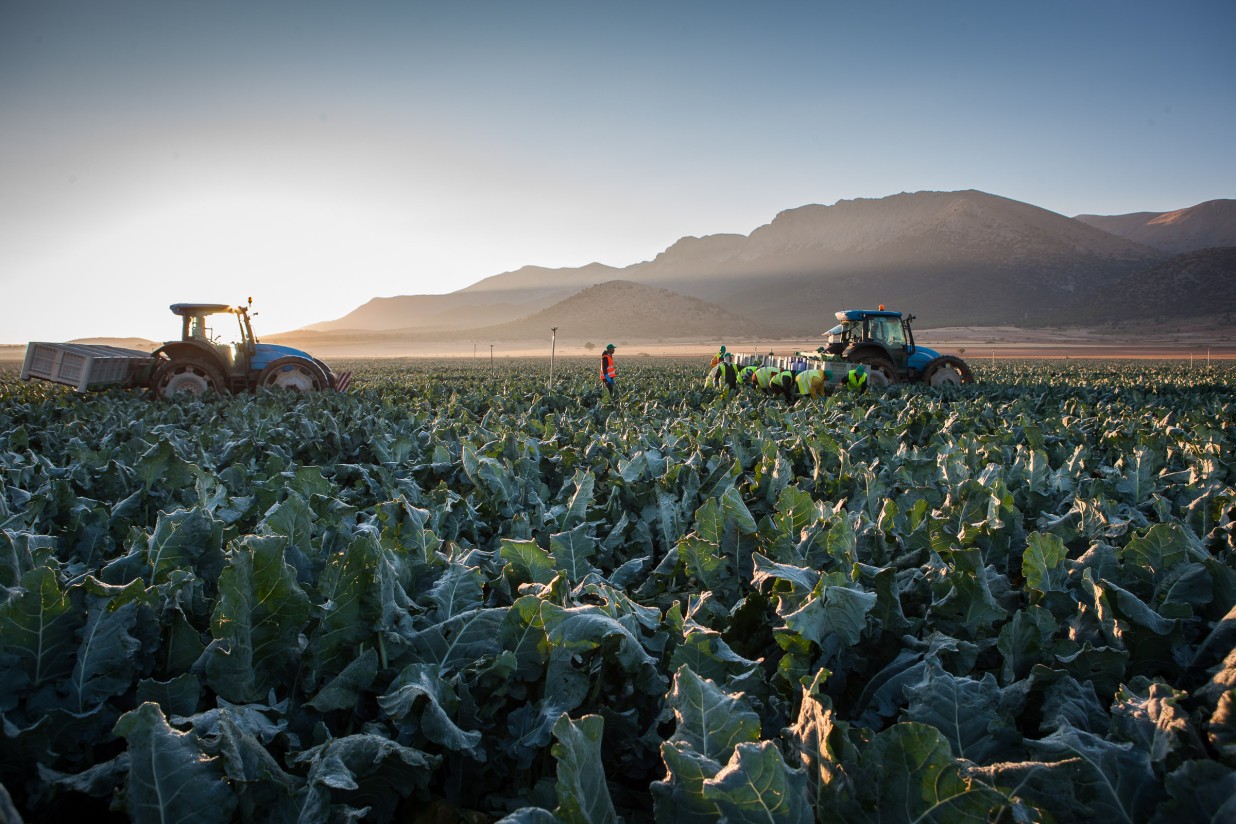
491,358
553,346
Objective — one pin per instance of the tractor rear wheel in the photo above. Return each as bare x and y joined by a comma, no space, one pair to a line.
189,376
294,373
947,370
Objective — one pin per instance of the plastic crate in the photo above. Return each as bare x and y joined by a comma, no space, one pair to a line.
82,366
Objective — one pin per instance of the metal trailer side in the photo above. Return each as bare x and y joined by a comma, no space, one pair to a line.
82,366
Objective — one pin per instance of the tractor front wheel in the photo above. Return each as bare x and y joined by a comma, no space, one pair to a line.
294,373
947,370
188,376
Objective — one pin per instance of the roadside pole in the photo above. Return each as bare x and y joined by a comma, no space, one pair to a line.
553,347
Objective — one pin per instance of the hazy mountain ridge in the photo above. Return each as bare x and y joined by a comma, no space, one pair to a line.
952,258
494,299
1206,225
1194,284
625,309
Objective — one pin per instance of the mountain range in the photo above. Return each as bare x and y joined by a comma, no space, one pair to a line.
964,258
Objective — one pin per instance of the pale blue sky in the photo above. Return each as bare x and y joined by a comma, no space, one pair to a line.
317,154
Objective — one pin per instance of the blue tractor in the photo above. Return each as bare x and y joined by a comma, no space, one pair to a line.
202,361
884,342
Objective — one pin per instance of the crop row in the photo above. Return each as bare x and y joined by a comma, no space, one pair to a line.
455,592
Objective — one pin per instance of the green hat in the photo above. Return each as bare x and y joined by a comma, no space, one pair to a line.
609,347
722,350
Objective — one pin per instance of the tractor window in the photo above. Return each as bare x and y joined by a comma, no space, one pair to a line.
886,330
892,333
197,327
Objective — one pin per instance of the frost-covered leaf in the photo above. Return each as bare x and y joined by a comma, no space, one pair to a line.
419,690
757,786
365,770
907,774
1199,791
257,621
1042,560
104,664
966,711
170,779
185,539
1108,781
38,623
710,721
343,691
839,611
583,794
573,551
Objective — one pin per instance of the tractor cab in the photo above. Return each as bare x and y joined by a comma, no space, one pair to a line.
882,339
221,328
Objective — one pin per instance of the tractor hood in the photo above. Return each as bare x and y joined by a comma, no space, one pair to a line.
265,353
920,357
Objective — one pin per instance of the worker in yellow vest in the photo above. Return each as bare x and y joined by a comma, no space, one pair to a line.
762,378
744,374
857,379
813,382
724,374
782,383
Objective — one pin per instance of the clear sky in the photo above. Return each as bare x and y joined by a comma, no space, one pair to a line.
316,154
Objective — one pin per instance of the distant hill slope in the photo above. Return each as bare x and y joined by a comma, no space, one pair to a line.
493,300
1186,287
1205,225
952,258
621,309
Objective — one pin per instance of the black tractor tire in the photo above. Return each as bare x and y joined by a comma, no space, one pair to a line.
190,376
298,374
880,370
326,370
947,370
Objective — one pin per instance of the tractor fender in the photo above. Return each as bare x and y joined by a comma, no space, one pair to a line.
919,358
265,354
330,375
189,349
866,349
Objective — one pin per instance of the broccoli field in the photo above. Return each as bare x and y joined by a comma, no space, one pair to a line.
454,595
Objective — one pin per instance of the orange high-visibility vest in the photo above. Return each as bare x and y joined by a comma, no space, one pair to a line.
608,370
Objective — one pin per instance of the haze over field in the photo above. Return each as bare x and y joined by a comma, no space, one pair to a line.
316,155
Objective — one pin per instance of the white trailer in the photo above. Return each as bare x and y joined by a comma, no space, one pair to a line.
83,366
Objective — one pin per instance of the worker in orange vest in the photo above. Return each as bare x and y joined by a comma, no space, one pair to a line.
608,370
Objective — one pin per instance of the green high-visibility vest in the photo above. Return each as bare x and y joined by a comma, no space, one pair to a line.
764,376
857,379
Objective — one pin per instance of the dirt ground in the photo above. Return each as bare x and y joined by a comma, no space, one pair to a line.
973,343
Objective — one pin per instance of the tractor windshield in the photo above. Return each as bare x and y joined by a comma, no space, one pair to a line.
888,331
215,328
